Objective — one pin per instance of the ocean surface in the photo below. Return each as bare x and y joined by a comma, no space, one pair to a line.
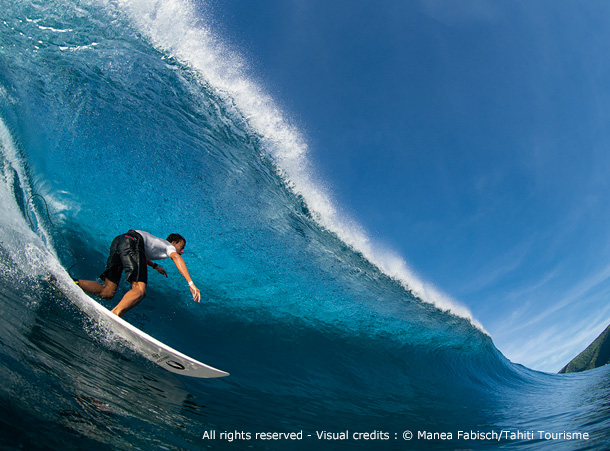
132,114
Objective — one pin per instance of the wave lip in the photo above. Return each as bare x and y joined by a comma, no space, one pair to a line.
174,28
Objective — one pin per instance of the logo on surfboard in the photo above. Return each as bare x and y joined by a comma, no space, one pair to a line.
175,365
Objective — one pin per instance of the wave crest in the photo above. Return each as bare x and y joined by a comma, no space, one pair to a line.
174,28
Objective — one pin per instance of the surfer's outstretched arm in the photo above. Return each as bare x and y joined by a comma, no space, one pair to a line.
181,265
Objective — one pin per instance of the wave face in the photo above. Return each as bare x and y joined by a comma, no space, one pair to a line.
130,114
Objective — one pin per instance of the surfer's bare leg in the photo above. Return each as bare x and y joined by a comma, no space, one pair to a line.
131,298
105,291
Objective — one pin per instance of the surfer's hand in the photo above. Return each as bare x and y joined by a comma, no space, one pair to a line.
162,271
195,292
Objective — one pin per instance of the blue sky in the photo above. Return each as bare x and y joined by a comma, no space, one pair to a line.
470,137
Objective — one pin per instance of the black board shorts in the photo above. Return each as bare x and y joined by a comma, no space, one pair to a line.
127,253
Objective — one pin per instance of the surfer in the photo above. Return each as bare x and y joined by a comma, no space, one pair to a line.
132,252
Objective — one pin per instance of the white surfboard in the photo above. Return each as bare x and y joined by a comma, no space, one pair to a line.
149,347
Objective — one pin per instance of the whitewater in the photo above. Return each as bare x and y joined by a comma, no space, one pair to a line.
134,114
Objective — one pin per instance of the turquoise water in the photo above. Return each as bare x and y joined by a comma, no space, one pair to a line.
128,114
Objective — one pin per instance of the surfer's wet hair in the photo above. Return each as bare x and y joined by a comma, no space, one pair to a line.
176,238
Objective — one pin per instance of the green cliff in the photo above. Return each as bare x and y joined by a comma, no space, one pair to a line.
597,354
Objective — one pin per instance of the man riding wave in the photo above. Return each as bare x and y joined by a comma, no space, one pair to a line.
132,252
